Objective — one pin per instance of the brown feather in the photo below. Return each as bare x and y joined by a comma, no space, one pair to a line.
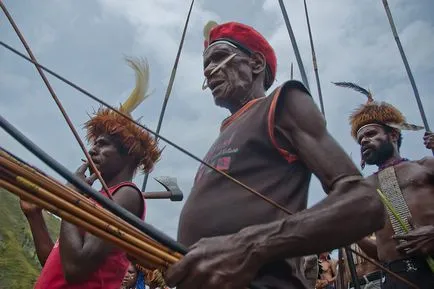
357,88
405,126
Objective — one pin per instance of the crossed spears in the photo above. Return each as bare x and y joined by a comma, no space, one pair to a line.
173,192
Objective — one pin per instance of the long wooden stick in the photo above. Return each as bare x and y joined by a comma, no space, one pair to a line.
82,223
154,254
171,81
71,196
294,44
315,65
407,67
91,216
55,98
20,137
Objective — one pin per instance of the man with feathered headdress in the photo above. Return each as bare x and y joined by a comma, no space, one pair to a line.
406,188
119,148
273,144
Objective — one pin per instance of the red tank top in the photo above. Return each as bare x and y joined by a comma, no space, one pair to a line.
108,276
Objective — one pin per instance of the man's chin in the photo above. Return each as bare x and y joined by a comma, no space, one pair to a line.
220,100
370,161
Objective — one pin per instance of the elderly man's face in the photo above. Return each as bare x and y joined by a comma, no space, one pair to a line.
233,79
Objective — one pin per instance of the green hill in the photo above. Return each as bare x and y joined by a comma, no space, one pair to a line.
19,265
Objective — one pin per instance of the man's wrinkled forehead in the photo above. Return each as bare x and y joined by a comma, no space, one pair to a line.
220,46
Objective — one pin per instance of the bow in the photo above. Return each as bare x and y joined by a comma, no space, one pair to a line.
56,99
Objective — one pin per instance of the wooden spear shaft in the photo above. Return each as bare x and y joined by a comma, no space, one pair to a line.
16,134
407,66
294,44
170,85
315,65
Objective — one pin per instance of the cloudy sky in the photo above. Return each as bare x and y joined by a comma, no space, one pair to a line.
85,41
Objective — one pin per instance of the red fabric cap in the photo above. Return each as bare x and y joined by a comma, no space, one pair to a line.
249,38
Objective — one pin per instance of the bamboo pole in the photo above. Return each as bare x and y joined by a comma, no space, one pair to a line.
79,222
91,215
70,195
64,206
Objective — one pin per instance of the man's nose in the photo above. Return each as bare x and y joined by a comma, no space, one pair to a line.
365,141
207,71
92,151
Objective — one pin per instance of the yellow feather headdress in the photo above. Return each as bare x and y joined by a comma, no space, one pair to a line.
137,141
375,112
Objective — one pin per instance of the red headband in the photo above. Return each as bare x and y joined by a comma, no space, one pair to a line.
246,37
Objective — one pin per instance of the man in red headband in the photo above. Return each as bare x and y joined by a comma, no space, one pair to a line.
272,144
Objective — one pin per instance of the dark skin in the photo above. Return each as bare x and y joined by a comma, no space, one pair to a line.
416,180
82,253
41,237
130,278
428,140
364,267
232,261
237,82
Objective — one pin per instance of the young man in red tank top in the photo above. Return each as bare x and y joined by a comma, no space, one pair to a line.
119,148
273,144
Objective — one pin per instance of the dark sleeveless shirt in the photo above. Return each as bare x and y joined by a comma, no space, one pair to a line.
250,150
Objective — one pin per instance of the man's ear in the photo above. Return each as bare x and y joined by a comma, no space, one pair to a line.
394,135
258,62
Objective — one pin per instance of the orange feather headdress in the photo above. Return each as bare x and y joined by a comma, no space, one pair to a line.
134,139
375,112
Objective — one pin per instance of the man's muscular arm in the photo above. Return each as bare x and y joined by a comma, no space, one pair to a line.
428,162
41,237
351,211
81,255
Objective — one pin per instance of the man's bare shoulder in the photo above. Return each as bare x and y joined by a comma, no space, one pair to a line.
425,161
428,163
300,113
128,197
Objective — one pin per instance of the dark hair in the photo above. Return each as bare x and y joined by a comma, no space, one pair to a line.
388,129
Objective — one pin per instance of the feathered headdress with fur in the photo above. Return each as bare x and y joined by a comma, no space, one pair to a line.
375,112
134,139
